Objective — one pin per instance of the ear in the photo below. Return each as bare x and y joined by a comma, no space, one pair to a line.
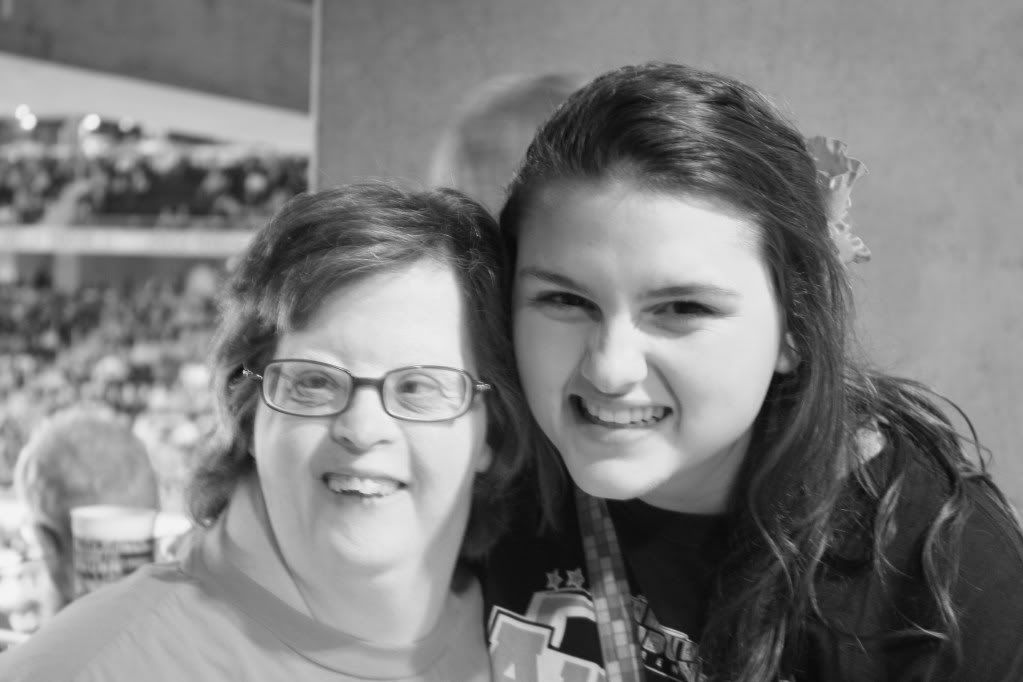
788,356
484,458
56,551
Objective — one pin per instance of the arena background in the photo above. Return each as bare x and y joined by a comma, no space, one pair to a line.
926,92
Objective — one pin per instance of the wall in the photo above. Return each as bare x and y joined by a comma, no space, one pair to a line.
255,50
53,90
927,93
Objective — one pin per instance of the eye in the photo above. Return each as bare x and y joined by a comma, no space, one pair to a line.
312,381
312,387
428,392
681,315
417,386
563,305
682,308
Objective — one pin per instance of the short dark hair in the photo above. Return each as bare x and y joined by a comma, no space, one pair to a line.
321,241
80,455
479,152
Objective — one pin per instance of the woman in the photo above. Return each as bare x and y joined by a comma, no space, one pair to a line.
370,427
749,502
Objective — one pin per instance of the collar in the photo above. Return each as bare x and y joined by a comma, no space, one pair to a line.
232,561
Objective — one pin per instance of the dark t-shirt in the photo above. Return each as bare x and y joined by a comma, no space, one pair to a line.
541,623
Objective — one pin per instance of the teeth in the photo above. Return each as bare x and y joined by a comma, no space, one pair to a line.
635,416
369,487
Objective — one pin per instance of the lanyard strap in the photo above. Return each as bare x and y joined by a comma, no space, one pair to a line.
610,588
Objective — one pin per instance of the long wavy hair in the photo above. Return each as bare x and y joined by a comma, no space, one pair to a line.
672,129
320,242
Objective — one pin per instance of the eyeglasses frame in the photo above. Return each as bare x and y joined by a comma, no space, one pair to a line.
477,387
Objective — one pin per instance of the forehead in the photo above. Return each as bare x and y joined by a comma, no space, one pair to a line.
616,221
413,315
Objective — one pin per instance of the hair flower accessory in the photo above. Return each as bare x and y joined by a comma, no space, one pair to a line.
836,173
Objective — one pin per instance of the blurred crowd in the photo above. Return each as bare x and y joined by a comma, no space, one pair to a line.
139,349
28,184
144,181
104,380
88,381
174,189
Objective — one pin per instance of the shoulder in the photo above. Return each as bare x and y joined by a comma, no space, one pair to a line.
987,586
990,582
948,530
988,527
154,620
529,549
992,528
961,517
465,649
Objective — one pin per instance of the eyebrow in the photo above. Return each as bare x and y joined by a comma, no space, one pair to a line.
551,278
684,290
671,291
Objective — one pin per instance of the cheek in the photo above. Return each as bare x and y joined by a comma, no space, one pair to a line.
726,372
265,440
547,354
762,348
447,462
276,434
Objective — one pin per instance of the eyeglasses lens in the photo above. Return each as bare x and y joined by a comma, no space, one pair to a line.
306,388
426,393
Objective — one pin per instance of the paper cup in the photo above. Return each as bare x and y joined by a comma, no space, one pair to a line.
170,530
109,543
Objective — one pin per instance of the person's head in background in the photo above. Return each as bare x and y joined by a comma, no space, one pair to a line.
322,250
479,153
81,455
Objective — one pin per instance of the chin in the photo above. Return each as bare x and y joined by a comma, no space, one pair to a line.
370,558
612,480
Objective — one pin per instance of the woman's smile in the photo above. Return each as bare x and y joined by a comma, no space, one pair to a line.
362,486
367,487
628,306
615,416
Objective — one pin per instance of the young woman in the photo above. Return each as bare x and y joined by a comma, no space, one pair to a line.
372,423
748,503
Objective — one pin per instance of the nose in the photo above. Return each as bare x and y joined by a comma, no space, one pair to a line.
615,358
364,424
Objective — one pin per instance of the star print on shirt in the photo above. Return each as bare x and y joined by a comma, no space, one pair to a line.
553,579
575,579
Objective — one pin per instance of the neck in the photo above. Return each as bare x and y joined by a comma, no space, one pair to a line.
397,606
703,489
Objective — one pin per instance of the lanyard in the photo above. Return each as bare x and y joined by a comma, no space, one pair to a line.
610,588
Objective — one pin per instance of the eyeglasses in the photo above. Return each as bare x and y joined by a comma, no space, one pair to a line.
421,393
